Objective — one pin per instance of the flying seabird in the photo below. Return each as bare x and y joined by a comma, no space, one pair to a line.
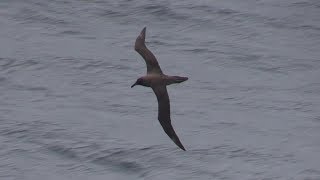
158,81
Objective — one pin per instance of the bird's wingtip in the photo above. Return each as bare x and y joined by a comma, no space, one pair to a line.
181,147
143,32
140,39
176,140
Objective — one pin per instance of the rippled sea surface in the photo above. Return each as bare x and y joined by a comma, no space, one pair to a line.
250,109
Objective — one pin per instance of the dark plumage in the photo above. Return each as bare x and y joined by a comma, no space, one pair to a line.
158,82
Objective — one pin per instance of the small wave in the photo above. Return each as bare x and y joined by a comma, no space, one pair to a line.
11,65
28,15
309,3
162,11
63,151
70,32
118,158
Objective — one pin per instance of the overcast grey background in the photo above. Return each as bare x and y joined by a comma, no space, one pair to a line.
250,109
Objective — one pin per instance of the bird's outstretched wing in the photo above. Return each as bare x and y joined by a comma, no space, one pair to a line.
164,113
150,59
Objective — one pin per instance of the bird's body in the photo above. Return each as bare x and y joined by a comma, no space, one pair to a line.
152,80
158,81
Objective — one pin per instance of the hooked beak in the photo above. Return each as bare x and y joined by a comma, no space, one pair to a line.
134,84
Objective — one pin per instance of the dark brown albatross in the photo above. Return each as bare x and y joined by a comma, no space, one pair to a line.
158,82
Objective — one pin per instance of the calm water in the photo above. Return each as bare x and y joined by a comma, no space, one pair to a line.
250,109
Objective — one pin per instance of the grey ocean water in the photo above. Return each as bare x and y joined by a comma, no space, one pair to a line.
249,111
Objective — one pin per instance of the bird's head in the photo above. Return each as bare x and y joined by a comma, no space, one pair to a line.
138,82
